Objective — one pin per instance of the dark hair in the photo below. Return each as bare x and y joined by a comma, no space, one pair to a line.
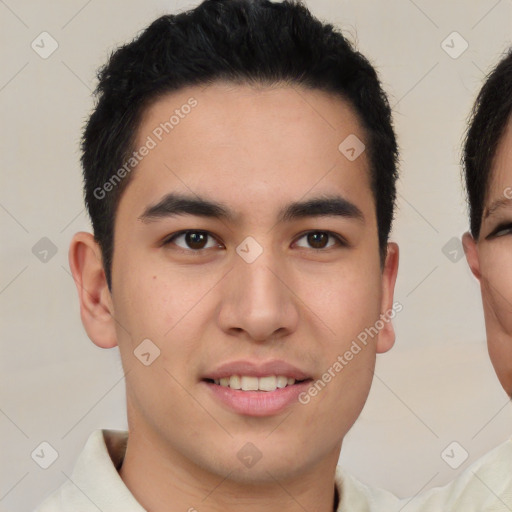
489,118
239,41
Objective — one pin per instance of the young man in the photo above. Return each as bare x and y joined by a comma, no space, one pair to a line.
487,484
240,170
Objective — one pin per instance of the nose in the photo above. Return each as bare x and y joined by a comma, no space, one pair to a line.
257,302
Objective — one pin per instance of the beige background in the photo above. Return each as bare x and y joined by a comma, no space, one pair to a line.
436,386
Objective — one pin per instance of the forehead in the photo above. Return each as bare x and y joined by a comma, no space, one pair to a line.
500,174
251,145
501,169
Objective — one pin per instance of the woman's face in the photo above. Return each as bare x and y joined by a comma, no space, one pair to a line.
490,259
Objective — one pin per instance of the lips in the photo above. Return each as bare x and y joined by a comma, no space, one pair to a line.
256,389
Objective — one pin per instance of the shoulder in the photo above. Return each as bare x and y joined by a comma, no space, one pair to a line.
356,496
485,486
94,481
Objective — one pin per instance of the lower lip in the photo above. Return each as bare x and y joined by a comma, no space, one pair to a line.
258,403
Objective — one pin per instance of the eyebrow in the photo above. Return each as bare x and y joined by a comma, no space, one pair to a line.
174,204
497,205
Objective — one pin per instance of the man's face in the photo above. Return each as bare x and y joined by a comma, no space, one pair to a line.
252,298
490,259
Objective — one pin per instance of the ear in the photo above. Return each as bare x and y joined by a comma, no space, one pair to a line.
96,308
386,337
471,251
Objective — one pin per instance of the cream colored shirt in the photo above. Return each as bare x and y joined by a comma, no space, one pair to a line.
95,483
486,486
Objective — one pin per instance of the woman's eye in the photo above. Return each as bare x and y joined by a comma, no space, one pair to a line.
502,230
192,240
320,239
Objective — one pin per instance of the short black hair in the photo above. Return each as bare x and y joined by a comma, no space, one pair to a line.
240,41
487,124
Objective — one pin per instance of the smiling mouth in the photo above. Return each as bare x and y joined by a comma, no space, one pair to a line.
267,383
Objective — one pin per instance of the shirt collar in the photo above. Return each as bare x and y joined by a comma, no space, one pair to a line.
95,476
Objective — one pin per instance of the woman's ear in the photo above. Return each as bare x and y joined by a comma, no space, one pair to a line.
386,337
96,308
471,252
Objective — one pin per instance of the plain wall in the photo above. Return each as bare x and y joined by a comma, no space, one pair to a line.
434,387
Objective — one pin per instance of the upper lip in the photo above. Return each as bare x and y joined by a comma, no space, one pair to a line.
255,369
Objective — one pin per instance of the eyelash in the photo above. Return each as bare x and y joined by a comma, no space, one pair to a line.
502,227
340,241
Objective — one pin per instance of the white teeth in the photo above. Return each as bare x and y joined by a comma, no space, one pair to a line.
234,382
249,383
281,381
268,383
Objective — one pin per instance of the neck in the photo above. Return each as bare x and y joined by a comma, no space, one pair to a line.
166,481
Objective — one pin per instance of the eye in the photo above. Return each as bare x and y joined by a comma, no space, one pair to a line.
319,240
192,240
195,241
501,230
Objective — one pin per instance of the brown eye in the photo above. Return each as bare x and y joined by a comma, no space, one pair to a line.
320,240
192,240
196,240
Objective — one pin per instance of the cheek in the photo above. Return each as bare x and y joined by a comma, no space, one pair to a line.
351,297
496,268
349,304
497,300
154,300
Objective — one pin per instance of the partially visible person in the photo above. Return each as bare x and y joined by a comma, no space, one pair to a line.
488,245
487,160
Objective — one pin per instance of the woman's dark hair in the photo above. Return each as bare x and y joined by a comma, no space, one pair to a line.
489,119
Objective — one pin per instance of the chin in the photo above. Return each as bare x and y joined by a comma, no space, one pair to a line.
265,474
260,470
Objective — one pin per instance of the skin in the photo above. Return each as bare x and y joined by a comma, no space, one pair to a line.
254,149
489,260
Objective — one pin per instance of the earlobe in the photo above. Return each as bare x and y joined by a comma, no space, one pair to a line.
386,338
96,309
471,252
